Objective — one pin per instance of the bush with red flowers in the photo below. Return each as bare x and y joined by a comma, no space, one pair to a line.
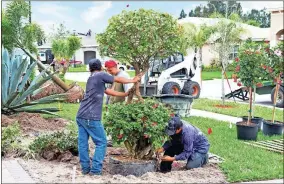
139,125
249,67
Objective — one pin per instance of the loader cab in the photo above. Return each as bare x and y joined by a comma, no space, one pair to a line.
158,65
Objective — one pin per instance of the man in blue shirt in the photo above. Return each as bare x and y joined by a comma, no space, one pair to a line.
187,143
90,113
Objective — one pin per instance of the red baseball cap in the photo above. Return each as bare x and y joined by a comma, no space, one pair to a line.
110,64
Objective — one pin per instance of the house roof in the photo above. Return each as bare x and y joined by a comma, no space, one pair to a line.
86,41
256,33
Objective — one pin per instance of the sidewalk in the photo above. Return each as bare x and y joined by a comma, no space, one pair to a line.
220,117
12,172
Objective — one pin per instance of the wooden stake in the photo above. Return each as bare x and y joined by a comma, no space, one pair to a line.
250,104
275,98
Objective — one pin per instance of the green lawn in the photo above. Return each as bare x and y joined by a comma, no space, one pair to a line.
82,84
237,109
214,75
242,162
80,68
131,73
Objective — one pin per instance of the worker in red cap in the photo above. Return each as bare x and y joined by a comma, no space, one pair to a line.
111,67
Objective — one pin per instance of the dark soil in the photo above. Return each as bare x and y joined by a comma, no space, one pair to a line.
126,158
34,123
245,123
224,106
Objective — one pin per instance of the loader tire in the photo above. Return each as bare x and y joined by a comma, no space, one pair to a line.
191,88
171,88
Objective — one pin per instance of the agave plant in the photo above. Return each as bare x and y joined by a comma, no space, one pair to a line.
15,75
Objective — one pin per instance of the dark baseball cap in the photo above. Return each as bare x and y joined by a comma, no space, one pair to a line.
95,64
173,123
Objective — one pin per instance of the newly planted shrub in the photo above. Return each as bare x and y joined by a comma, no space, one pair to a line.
139,125
10,135
61,141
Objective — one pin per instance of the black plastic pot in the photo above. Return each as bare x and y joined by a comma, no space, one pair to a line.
256,120
247,132
270,128
125,168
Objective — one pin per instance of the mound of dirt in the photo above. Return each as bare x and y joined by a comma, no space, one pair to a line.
34,123
74,94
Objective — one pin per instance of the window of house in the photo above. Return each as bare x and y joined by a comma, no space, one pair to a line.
234,53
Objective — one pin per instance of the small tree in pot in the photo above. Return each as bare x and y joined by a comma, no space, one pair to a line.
250,73
274,67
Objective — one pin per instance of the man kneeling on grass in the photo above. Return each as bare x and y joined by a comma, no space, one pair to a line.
90,113
187,143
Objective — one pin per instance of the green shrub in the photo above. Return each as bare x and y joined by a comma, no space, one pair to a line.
139,125
10,138
62,141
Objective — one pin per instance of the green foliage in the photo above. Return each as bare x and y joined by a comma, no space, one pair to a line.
182,14
248,65
253,23
17,31
274,62
62,141
15,74
133,37
139,125
64,49
261,17
10,135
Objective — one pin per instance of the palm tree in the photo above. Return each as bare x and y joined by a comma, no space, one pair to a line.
198,37
228,33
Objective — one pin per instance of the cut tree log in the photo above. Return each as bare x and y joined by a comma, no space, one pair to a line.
57,80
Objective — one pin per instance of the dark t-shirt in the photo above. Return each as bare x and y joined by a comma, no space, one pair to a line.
91,105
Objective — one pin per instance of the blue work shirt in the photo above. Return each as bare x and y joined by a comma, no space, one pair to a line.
92,103
193,140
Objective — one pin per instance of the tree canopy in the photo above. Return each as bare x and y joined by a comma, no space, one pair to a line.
136,36
17,32
259,18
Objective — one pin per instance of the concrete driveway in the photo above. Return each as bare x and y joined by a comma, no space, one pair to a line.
211,89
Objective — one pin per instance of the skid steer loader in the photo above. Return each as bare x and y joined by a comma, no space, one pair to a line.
176,74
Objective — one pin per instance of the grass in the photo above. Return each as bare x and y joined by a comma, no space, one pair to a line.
131,73
237,109
80,68
206,75
242,162
82,84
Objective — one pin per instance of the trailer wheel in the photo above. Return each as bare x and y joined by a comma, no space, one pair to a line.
191,88
279,98
171,88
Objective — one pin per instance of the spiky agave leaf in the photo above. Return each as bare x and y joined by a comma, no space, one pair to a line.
15,74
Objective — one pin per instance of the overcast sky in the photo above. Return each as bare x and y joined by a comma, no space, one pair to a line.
84,15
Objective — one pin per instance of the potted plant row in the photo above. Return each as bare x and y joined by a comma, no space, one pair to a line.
257,62
274,66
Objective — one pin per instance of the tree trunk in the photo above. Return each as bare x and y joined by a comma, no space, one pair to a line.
200,56
250,105
223,86
253,105
57,80
65,67
275,98
135,89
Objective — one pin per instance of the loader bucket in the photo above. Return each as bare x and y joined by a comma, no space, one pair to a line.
180,103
